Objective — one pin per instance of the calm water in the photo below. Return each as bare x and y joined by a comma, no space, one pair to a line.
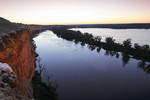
140,36
83,74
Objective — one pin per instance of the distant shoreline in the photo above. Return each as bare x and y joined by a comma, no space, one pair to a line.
113,26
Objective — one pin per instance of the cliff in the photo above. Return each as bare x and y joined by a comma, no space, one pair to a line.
16,50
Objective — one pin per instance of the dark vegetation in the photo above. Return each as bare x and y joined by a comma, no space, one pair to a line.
137,52
42,90
113,26
7,26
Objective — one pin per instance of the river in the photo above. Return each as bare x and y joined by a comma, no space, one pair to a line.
85,74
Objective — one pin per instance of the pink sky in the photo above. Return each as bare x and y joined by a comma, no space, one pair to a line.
76,11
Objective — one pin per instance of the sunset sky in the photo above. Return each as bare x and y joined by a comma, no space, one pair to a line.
76,11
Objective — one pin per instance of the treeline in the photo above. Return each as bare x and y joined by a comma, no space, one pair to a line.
113,26
138,52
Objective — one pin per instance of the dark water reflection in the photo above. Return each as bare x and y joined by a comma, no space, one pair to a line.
89,73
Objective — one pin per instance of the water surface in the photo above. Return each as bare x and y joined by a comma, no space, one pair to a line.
140,36
83,74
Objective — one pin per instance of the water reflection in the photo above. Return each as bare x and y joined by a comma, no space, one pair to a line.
111,53
91,47
144,66
125,57
98,49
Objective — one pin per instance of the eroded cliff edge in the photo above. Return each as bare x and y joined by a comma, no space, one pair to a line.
16,50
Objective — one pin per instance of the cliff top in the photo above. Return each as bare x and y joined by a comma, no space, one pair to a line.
7,26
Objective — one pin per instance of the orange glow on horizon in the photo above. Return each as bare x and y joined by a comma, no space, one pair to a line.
76,12
109,21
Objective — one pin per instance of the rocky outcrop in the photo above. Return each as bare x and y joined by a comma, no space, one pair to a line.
16,50
7,83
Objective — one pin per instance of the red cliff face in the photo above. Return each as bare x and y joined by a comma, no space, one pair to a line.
16,50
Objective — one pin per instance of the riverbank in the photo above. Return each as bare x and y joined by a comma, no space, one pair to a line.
137,52
42,90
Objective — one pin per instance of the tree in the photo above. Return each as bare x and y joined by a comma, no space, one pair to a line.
50,83
98,38
127,43
48,76
41,66
109,40
137,46
146,47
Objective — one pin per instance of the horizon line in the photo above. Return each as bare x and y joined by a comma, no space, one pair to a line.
76,23
88,24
